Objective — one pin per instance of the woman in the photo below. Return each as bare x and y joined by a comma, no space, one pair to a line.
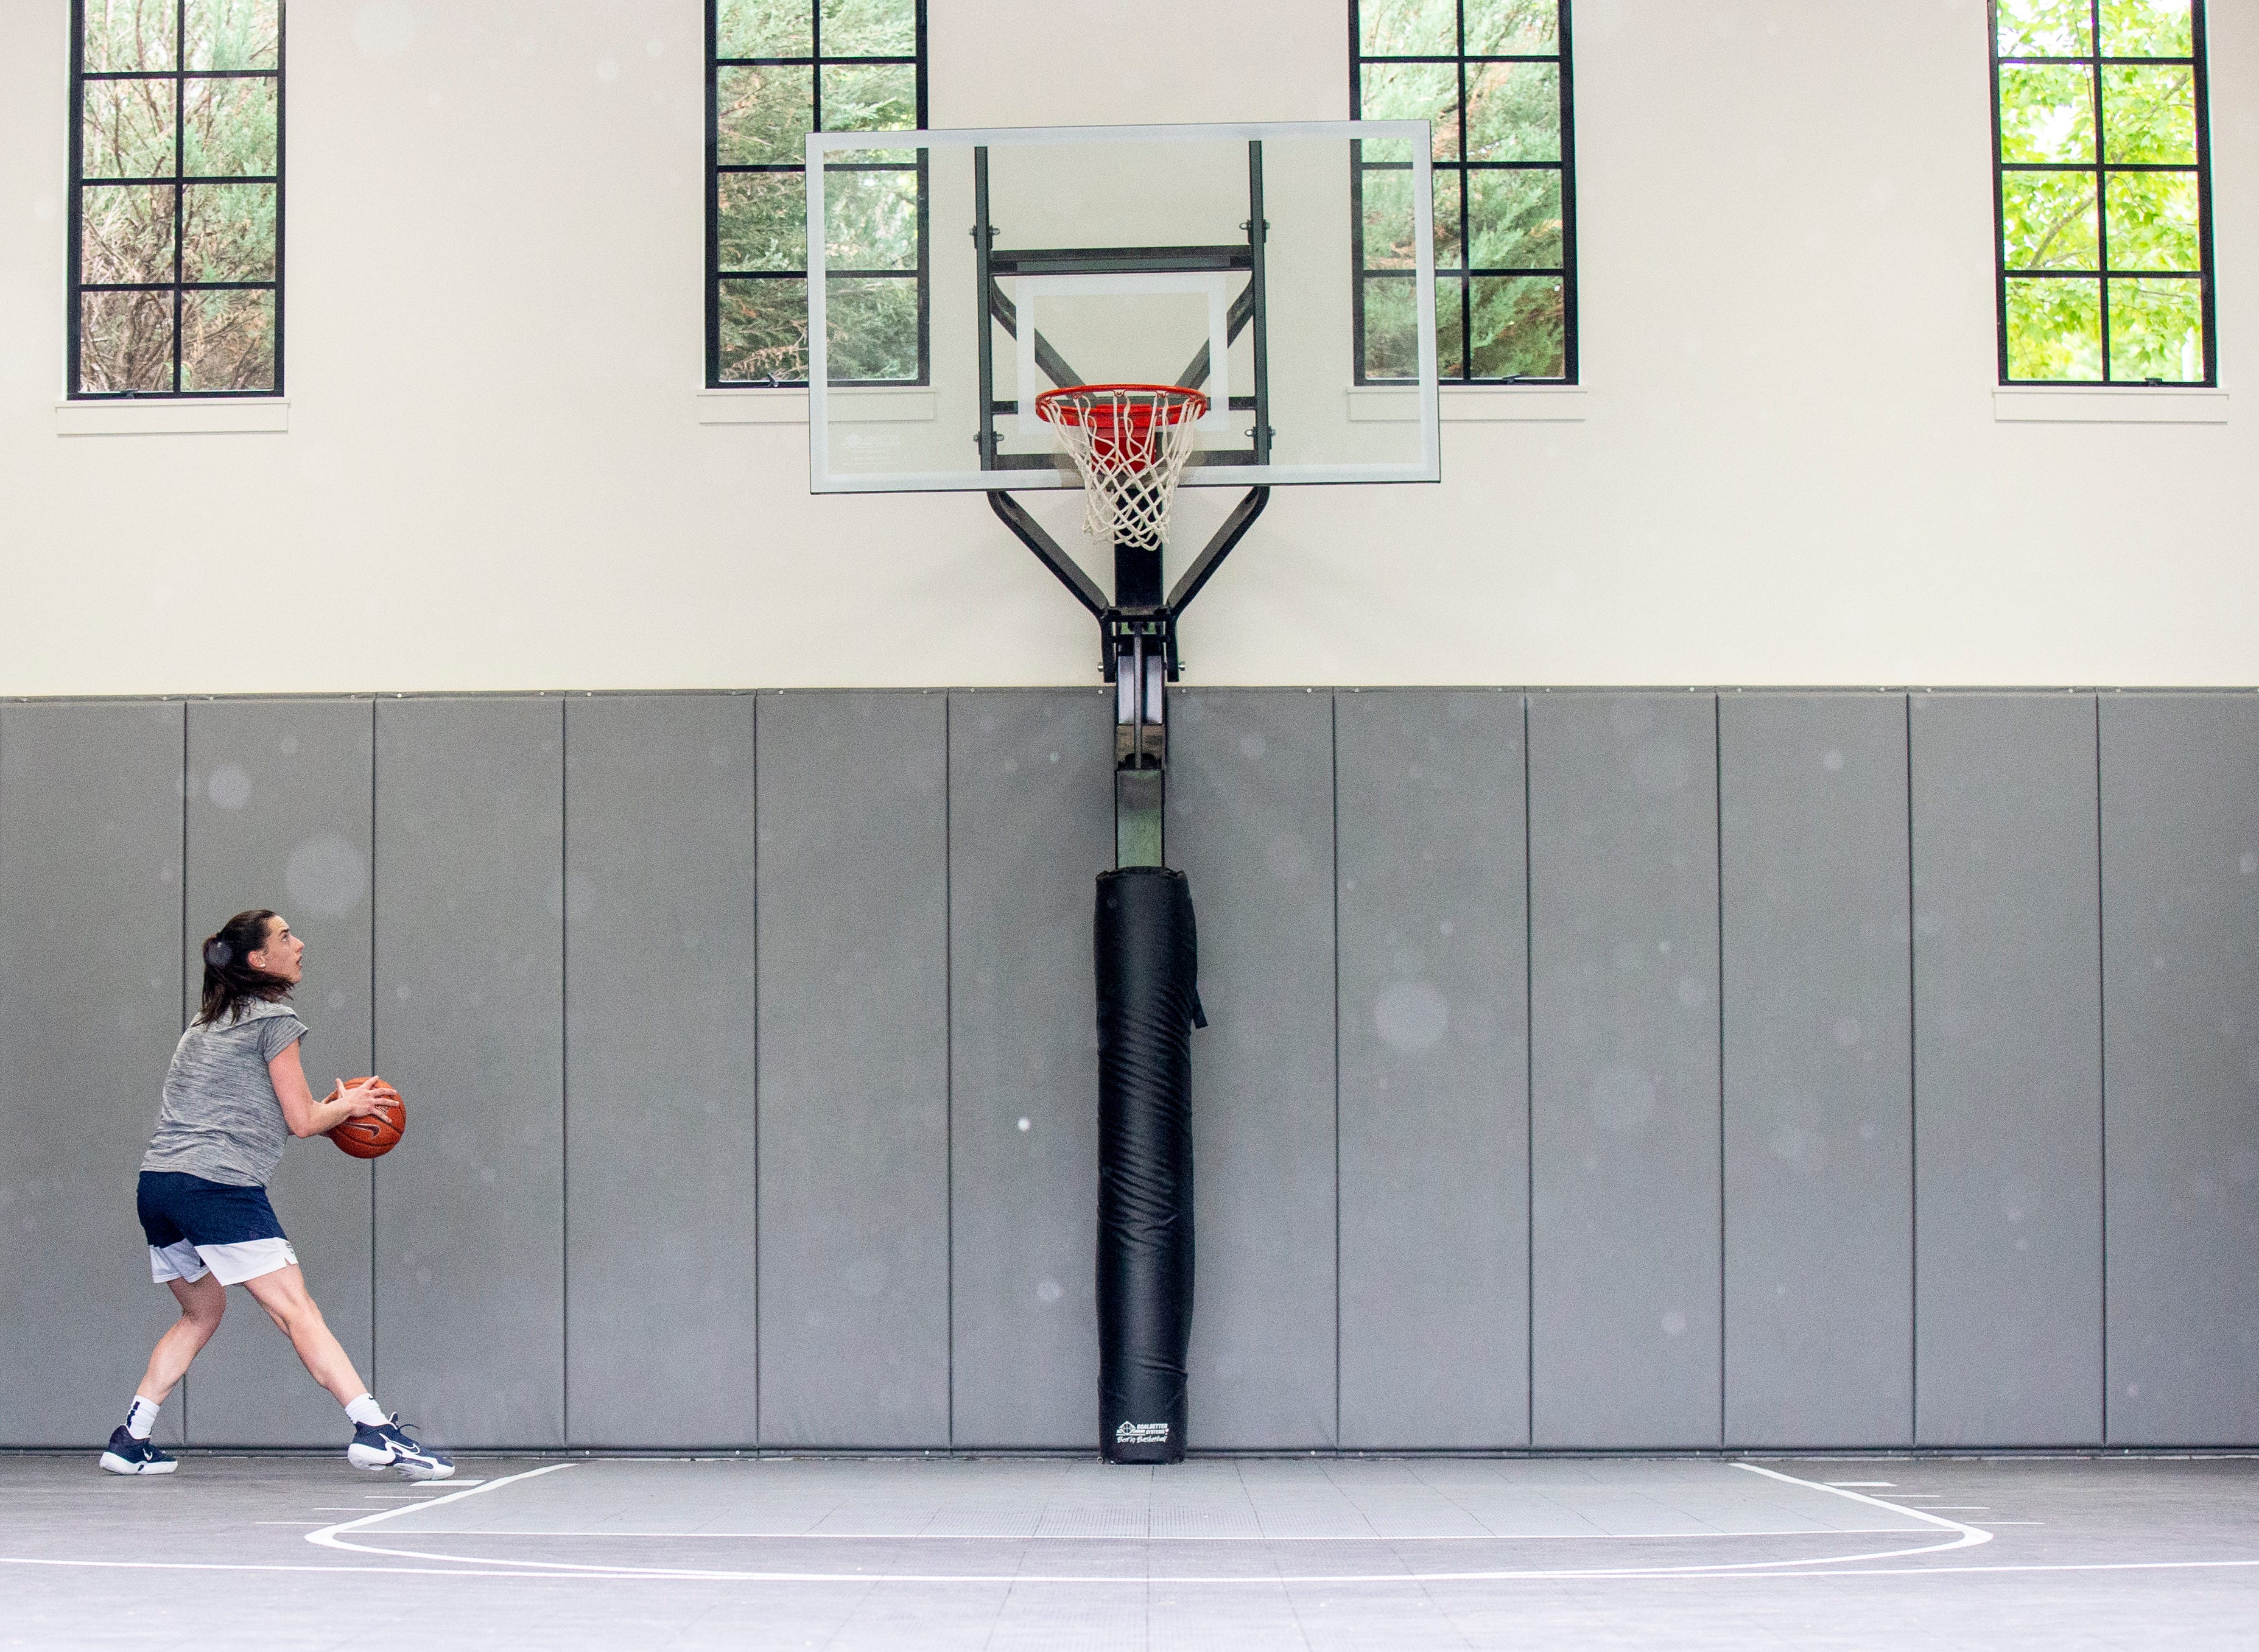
235,1085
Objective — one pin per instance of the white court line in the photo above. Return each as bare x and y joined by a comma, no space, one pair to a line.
2037,1566
1963,1537
328,1536
870,1577
1206,1537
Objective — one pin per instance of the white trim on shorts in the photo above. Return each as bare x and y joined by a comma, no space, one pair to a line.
233,1263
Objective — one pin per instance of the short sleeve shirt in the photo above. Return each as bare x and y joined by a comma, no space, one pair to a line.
221,1119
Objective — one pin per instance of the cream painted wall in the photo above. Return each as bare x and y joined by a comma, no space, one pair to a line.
1789,469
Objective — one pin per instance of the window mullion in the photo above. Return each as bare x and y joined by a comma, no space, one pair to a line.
2200,77
74,319
180,190
2101,188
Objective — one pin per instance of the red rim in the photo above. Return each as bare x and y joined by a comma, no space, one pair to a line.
1052,405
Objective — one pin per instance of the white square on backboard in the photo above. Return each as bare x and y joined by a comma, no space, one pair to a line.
1029,291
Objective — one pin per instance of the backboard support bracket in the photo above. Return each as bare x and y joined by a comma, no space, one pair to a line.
1137,654
1138,607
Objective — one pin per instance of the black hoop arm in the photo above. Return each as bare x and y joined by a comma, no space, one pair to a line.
1048,551
1231,533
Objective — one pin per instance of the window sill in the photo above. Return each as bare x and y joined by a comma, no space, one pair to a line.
752,407
1471,404
174,416
912,404
2154,405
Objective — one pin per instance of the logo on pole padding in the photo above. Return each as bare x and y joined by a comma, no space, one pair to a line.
1141,1434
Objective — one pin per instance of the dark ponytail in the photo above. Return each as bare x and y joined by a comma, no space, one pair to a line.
229,980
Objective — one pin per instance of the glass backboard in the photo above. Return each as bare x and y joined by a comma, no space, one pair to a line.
957,275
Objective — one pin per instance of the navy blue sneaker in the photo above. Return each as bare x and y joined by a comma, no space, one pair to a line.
129,1456
388,1445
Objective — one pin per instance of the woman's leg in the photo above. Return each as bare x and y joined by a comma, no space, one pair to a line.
202,1304
282,1293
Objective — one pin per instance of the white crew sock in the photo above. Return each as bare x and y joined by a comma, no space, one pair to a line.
142,1417
365,1412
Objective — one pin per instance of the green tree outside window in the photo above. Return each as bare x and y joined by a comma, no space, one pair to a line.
176,194
778,70
1492,77
2104,192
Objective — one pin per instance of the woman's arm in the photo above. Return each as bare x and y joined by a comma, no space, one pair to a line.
306,1116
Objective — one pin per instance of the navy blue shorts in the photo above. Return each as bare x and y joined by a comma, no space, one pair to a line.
195,1227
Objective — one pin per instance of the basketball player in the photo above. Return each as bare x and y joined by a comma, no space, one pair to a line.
236,1084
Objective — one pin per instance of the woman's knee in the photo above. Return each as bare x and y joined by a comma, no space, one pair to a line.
283,1294
290,1312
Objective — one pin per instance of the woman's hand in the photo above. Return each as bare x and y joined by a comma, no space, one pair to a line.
306,1116
371,1095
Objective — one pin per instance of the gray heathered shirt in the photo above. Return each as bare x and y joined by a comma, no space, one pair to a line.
221,1119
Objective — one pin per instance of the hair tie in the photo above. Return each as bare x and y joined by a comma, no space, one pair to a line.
217,953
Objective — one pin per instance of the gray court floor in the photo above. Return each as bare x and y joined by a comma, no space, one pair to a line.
251,1552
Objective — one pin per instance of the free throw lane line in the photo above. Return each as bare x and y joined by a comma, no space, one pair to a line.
328,1536
1960,1537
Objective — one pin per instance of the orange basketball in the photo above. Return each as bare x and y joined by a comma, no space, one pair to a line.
377,1134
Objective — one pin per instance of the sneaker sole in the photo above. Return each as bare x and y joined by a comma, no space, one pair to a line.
117,1464
366,1457
420,1471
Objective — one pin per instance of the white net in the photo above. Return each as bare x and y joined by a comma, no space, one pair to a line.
1130,442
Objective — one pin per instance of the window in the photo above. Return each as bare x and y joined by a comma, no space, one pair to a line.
176,197
777,70
2103,192
1493,76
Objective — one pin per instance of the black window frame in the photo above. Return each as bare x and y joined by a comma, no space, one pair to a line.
76,289
815,61
2102,167
1464,276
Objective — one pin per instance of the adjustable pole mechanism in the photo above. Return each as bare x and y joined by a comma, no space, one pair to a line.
1137,633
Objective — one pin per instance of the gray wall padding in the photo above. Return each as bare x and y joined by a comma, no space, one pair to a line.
1434,1078
1816,987
2007,1071
2180,994
1623,1098
718,1015
1251,821
853,1098
660,1055
1030,820
89,1011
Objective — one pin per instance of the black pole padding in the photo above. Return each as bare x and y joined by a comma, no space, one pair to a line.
1148,1000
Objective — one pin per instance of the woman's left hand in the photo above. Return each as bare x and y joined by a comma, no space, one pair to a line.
371,1095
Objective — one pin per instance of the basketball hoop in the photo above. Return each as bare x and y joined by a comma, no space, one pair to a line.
1130,442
